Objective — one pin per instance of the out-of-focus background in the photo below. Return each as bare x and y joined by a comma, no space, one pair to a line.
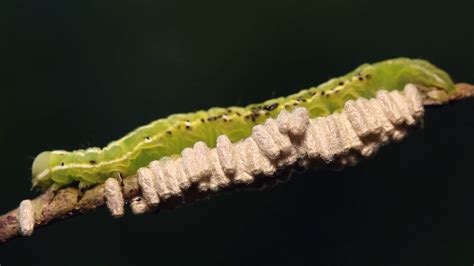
76,74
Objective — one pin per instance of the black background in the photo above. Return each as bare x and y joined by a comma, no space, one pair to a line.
82,73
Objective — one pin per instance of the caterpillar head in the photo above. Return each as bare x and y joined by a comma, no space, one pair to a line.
40,169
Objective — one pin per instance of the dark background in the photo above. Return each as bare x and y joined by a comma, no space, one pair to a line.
82,73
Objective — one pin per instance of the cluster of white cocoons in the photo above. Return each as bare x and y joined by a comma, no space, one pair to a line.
292,139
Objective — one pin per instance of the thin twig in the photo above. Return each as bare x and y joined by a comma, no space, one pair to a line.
53,206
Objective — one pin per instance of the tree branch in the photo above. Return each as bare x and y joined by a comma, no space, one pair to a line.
463,91
53,206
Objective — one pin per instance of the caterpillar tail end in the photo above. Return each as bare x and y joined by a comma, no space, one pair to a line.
40,167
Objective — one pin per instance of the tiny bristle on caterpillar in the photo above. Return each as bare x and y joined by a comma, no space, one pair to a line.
171,135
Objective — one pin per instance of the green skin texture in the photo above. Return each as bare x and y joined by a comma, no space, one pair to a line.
169,136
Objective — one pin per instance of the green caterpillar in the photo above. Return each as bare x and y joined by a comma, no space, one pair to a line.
169,136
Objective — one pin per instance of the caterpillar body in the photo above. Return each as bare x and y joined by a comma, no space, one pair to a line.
170,136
